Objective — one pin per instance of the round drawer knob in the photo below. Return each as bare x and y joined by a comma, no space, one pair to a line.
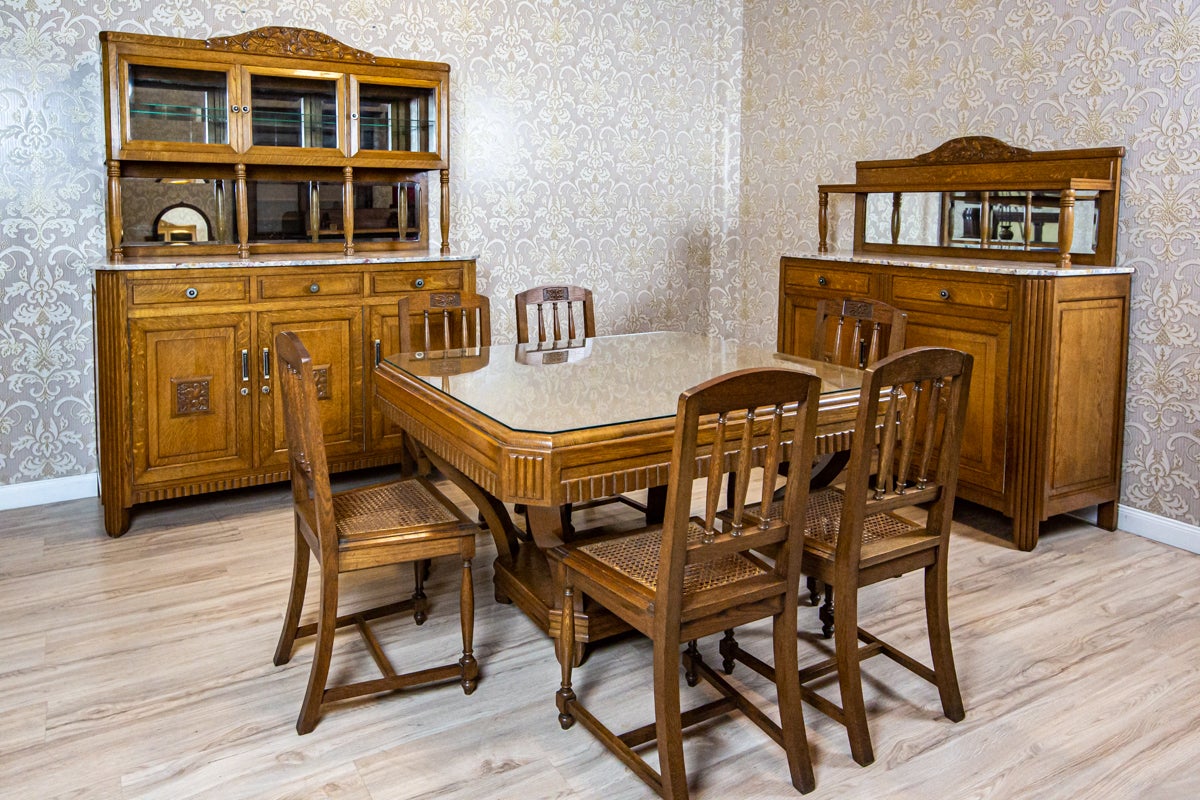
822,280
233,109
314,287
245,391
354,116
191,293
266,390
245,109
944,294
419,283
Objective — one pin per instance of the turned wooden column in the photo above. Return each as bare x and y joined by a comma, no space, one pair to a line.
115,223
243,214
823,222
896,217
1066,226
445,211
348,208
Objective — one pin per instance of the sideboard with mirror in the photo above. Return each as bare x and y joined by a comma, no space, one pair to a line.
1008,254
272,180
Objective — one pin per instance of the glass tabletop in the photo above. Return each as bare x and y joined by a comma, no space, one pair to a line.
606,380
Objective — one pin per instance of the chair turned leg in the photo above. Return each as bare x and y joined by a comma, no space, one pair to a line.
295,604
938,619
854,710
310,709
420,604
690,656
566,658
827,613
814,591
667,720
466,611
791,709
728,648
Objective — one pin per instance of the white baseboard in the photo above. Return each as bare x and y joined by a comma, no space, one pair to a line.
51,490
1151,526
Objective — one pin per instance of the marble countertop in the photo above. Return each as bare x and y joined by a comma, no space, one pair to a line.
281,260
963,264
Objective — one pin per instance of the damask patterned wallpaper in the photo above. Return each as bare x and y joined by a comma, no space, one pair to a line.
664,153
594,143
829,83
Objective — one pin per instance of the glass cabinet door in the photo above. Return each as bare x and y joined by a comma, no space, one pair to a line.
177,105
396,118
294,112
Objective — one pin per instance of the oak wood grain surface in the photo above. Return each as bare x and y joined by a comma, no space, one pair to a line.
141,668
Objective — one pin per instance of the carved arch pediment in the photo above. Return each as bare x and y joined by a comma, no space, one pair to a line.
282,41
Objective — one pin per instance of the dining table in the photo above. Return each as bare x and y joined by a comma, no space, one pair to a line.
550,424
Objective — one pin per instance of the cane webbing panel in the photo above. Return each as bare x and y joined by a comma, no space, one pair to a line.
823,517
404,504
637,557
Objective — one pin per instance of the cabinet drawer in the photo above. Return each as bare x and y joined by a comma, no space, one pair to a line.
279,287
954,293
837,281
204,290
416,281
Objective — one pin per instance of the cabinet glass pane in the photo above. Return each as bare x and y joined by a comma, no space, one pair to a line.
294,211
167,104
176,211
397,118
293,112
387,211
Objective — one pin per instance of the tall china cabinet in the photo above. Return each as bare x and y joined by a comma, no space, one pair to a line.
273,180
1009,255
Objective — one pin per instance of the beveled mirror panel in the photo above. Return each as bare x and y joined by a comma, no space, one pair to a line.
996,220
176,211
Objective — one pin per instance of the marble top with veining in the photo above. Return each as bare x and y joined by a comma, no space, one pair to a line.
964,264
281,260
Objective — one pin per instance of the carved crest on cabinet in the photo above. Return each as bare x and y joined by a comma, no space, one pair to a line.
282,41
321,379
191,396
970,149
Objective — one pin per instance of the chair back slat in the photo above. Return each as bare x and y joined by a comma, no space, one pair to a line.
311,494
925,389
447,321
754,403
716,458
556,308
864,331
933,410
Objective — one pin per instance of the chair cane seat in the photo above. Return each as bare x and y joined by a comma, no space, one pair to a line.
388,508
637,557
825,510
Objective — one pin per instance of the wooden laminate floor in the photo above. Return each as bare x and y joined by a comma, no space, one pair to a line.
141,667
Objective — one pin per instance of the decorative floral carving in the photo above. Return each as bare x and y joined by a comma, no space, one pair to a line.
970,149
191,396
278,40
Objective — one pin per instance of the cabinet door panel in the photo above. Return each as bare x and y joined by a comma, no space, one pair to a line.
982,459
333,337
189,416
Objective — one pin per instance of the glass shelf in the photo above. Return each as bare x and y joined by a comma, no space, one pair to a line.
397,118
293,112
170,104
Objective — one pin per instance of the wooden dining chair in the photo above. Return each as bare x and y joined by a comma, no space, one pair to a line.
692,577
389,523
445,320
562,312
857,332
855,537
